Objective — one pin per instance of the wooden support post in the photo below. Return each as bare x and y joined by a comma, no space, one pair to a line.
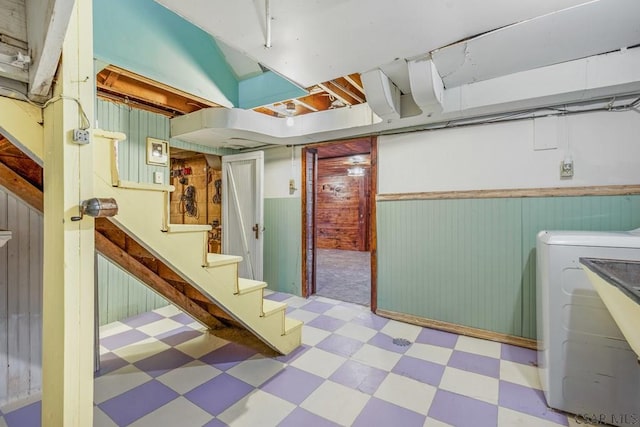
68,305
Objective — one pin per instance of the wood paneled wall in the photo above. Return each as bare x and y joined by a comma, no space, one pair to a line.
203,179
342,209
20,299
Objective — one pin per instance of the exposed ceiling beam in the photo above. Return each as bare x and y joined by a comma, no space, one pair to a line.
334,94
357,84
347,91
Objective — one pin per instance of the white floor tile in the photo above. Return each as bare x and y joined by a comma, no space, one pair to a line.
168,311
406,392
377,357
256,371
397,329
201,345
304,315
159,327
312,336
357,332
21,403
478,346
100,419
470,384
141,350
113,328
336,402
510,418
257,409
189,376
520,374
341,312
431,353
432,422
319,362
295,301
117,382
178,412
326,300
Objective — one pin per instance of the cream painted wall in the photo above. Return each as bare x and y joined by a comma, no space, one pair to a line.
604,146
278,170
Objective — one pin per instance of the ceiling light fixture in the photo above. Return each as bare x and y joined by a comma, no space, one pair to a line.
290,108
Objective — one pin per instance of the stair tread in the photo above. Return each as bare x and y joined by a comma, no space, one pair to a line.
248,285
215,260
291,324
183,228
270,307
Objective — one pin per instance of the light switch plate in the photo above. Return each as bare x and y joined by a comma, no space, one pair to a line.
157,178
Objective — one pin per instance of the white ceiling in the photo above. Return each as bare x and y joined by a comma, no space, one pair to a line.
316,41
483,52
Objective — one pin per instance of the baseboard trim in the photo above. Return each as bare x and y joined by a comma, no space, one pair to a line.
459,329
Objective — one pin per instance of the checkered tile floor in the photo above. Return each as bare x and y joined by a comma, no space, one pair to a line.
162,369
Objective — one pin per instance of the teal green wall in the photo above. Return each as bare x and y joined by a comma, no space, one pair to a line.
472,261
266,88
137,125
148,39
282,237
121,295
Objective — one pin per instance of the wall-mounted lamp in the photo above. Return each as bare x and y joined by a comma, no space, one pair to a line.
5,236
98,208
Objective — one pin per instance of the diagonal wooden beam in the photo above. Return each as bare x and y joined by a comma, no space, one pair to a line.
151,279
21,187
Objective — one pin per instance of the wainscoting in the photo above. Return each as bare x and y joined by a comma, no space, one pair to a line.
472,261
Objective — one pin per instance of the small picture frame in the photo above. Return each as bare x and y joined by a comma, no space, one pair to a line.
157,152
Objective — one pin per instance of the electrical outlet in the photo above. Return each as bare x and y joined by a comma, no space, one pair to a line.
566,168
157,177
82,136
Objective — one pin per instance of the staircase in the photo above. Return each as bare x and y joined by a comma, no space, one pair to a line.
205,285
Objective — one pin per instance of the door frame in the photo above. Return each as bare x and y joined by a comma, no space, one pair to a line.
373,191
256,258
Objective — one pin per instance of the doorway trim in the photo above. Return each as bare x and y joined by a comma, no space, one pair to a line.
372,232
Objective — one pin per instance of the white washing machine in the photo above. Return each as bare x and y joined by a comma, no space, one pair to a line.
586,366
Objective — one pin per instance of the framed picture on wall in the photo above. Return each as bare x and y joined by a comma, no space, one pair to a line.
157,152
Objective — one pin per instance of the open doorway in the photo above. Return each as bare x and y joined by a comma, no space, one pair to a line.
338,197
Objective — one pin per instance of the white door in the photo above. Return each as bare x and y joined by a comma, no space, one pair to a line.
242,211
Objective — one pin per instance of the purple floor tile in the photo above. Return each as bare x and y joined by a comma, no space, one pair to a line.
370,320
384,341
475,363
27,416
439,338
301,417
122,339
317,306
218,394
288,358
528,400
143,319
420,370
228,356
278,296
138,402
183,318
109,362
360,377
340,345
178,336
381,413
327,323
215,423
517,354
163,362
292,384
462,411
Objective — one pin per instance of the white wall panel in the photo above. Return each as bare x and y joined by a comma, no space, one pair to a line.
20,299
